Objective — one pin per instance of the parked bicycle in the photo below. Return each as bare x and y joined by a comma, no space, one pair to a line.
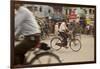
57,42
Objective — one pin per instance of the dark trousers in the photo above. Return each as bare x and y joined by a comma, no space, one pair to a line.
64,36
25,46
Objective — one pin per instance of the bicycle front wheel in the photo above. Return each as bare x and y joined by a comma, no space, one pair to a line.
55,43
75,45
45,58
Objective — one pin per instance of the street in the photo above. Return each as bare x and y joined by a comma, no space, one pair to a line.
86,53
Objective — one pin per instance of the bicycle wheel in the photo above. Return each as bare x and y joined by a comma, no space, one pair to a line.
55,43
75,45
45,58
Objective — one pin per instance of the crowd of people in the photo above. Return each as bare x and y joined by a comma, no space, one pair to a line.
51,24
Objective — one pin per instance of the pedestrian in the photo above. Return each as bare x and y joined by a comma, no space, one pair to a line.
88,22
56,29
25,24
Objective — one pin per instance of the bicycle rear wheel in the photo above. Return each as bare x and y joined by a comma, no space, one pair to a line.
75,45
55,43
45,58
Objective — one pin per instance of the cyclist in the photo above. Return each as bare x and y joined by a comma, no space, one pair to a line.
63,29
25,24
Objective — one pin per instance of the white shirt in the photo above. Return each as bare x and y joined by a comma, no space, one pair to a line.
62,27
25,23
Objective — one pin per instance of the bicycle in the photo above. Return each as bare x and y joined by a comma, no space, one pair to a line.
40,55
57,42
43,28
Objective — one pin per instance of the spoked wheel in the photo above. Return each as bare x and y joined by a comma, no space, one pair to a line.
75,45
56,43
45,58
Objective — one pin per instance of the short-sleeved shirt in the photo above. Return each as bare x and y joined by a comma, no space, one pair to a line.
62,27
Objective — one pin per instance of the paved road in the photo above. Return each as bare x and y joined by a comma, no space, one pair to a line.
67,55
85,54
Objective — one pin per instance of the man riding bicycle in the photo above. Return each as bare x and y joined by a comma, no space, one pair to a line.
63,30
25,24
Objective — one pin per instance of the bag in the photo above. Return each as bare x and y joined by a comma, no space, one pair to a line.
44,46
